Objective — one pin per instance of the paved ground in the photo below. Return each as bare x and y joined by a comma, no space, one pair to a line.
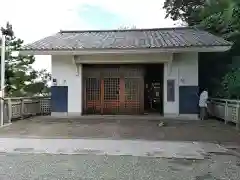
22,158
175,130
95,167
165,149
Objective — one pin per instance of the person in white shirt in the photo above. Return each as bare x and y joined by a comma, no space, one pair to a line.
203,104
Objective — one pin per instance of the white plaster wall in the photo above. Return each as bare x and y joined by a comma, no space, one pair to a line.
184,70
125,58
64,70
188,68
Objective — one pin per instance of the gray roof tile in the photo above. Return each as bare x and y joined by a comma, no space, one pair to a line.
136,38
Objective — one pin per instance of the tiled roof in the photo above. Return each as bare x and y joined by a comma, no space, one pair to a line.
135,38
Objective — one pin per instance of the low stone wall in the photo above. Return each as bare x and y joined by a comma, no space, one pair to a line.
228,110
19,108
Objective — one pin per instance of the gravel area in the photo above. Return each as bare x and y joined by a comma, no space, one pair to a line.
94,167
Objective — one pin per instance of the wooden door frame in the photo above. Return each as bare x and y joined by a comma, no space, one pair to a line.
102,94
121,92
121,102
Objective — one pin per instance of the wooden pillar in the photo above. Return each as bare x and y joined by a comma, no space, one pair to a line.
80,75
121,94
141,93
102,94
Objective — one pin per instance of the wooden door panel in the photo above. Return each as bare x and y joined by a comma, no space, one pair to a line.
111,100
93,102
114,90
132,95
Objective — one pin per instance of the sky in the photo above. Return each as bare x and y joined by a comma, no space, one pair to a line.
36,19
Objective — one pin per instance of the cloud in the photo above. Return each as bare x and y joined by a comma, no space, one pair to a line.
143,14
35,19
101,18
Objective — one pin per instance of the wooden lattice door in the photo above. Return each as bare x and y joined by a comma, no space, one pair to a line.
110,95
132,98
133,90
114,90
92,95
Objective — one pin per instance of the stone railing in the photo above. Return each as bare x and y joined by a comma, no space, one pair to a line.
228,110
20,108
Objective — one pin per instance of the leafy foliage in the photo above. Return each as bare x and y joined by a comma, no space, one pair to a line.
183,10
39,87
19,74
222,18
231,84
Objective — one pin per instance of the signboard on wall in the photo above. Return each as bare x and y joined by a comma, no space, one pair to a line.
170,90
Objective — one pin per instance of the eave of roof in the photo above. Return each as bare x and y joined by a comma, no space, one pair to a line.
157,39
125,51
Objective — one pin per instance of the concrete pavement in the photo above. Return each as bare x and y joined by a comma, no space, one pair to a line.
164,149
48,150
95,159
130,129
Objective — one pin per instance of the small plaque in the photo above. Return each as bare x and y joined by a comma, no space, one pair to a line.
170,90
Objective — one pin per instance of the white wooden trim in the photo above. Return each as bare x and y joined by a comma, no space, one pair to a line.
74,60
177,91
169,65
125,51
122,61
80,70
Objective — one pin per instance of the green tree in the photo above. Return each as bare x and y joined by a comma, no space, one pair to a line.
183,10
19,73
222,18
39,86
231,84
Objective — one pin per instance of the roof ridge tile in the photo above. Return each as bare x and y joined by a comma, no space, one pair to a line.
125,30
